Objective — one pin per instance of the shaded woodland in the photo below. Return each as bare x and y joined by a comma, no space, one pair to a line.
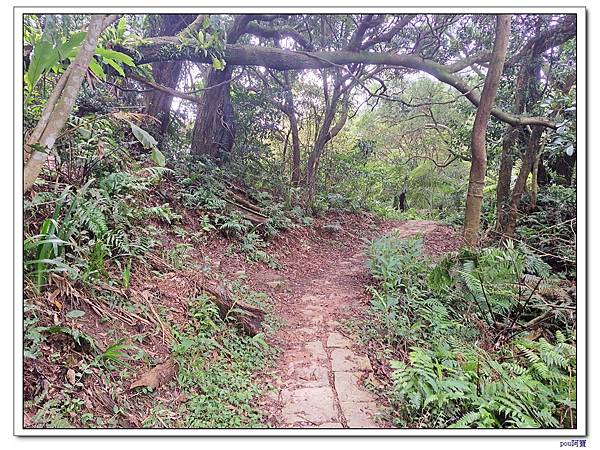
178,166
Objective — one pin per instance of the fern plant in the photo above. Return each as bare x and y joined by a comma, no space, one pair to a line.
467,387
444,316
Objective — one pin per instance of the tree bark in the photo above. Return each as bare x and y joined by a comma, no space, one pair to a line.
505,176
534,181
527,94
528,161
478,150
247,317
214,128
290,111
158,103
61,101
326,133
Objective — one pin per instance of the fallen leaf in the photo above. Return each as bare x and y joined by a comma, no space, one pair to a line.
156,376
71,376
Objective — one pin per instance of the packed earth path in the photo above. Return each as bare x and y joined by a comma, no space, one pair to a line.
320,375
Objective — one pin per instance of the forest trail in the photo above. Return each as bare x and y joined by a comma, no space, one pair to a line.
319,379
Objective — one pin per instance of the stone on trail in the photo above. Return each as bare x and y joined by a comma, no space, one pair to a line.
348,388
336,340
345,360
308,376
359,415
313,405
331,425
317,350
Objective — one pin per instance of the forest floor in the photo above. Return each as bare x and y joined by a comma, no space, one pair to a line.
318,377
320,374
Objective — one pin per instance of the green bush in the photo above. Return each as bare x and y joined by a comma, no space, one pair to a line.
461,326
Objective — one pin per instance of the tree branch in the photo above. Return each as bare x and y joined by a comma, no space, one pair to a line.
168,49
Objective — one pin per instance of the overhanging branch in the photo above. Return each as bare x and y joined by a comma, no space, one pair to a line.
170,49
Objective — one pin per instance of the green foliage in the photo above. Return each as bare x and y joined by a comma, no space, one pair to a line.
89,227
446,319
216,366
162,212
178,256
552,228
461,387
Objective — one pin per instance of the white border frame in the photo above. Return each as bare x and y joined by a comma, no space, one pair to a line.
582,354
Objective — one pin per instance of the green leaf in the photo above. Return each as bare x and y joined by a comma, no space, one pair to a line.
97,69
44,57
218,64
114,65
67,48
115,55
86,134
75,313
121,26
143,137
158,157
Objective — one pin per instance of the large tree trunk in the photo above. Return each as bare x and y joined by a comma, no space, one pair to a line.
158,103
214,128
61,101
478,150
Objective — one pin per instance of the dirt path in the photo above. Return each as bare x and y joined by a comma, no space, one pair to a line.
320,374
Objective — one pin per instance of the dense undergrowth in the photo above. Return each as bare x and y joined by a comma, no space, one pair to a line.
478,339
96,246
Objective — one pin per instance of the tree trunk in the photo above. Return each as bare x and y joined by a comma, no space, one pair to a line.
158,103
543,178
291,113
534,180
504,176
326,133
478,150
61,101
528,160
526,94
214,128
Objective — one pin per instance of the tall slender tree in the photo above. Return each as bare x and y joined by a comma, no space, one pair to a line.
482,117
61,101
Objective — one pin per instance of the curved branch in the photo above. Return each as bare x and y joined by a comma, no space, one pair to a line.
276,33
168,49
